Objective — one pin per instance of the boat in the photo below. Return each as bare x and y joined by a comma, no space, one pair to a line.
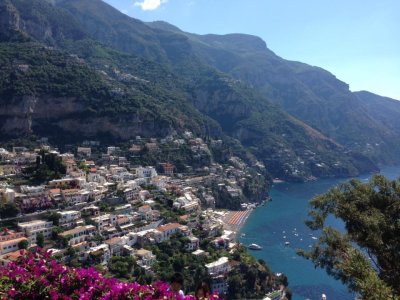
287,243
255,247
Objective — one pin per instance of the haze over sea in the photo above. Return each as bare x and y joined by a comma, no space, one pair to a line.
282,220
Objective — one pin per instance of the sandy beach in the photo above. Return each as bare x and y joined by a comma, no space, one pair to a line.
234,220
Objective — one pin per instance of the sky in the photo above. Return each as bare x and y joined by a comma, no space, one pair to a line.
356,40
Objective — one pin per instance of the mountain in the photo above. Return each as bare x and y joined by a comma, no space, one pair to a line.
384,109
309,93
104,74
51,92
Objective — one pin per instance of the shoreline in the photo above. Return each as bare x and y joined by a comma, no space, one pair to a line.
235,220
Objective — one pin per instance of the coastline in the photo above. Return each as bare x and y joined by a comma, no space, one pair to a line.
235,220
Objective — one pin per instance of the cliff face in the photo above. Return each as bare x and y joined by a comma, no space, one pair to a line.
10,21
39,20
51,93
67,116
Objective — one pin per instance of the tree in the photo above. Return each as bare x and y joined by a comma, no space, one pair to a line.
8,210
62,241
235,284
55,218
48,166
367,256
121,266
40,240
55,231
23,244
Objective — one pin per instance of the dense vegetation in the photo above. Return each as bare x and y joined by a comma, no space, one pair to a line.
8,210
315,96
47,167
367,256
56,74
251,279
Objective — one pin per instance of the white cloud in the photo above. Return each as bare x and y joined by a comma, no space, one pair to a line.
150,4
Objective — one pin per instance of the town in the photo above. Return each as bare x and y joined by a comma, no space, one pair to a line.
131,220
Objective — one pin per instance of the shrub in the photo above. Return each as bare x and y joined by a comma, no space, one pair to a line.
38,276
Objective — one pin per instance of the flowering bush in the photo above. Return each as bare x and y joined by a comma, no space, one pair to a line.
37,276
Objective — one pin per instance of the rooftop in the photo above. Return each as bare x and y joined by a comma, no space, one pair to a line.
32,223
13,241
70,191
77,229
220,261
142,252
11,256
113,241
68,212
169,226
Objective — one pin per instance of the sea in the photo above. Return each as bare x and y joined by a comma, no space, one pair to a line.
282,220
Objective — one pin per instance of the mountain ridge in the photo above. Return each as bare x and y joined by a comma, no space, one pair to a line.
289,146
309,93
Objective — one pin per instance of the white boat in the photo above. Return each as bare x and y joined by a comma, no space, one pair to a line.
287,243
255,247
314,238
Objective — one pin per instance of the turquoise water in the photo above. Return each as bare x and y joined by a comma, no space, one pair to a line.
284,217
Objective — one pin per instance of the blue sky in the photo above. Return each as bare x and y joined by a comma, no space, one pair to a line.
357,40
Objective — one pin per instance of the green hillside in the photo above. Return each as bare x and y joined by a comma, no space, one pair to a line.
309,93
104,74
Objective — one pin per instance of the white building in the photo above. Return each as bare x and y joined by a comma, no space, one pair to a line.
159,181
188,202
130,238
33,228
218,267
220,285
84,151
130,194
69,217
104,221
75,196
9,240
33,190
145,258
79,234
164,232
112,150
146,172
125,209
94,176
193,245
101,253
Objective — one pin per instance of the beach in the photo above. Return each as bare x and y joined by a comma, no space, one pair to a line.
235,220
